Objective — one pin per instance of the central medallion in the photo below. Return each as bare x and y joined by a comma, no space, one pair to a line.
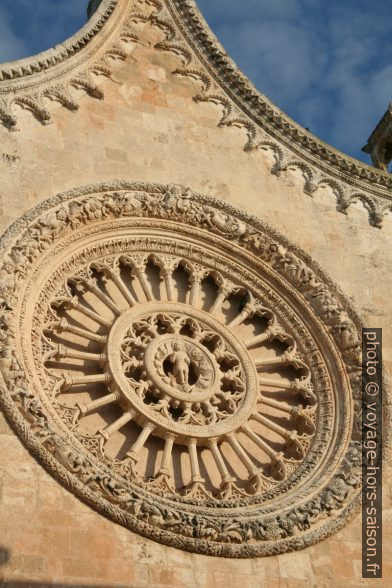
182,366
179,368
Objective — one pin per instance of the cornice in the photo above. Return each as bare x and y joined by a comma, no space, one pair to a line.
79,61
53,73
320,163
49,59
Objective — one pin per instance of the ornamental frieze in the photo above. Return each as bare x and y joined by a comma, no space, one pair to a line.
90,59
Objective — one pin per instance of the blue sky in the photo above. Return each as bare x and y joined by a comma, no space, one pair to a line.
328,64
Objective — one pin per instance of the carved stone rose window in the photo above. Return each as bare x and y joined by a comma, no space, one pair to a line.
182,368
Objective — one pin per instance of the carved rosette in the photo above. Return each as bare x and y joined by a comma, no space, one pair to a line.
182,368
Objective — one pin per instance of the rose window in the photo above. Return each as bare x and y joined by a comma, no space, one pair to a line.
207,392
181,369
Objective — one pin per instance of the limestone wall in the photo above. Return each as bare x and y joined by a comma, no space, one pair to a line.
149,128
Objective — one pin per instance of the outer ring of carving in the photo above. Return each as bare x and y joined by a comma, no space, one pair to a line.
278,252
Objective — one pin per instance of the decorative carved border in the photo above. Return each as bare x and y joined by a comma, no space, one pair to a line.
268,127
46,60
186,34
106,493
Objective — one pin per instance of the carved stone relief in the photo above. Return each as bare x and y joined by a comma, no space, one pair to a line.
182,368
89,58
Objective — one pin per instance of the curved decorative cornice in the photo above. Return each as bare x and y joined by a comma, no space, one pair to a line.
79,61
48,59
306,150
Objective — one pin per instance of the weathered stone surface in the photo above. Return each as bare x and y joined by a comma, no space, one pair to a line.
150,128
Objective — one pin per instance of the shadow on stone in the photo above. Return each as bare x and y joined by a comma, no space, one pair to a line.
28,584
4,555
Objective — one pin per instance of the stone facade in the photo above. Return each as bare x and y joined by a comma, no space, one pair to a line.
138,117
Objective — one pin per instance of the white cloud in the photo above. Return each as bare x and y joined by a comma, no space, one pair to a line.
325,64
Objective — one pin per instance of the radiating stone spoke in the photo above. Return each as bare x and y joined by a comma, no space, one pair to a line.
247,312
272,362
259,441
66,352
74,304
123,288
138,264
146,431
167,455
65,326
167,265
217,304
301,419
302,386
69,381
272,332
279,405
289,436
103,297
194,294
116,425
196,488
271,425
225,289
194,461
276,458
220,462
113,274
94,405
197,273
288,358
243,456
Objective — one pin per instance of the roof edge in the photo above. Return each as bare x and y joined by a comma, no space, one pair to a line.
99,11
257,106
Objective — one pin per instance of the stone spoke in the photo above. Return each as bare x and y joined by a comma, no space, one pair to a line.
167,455
247,312
275,457
89,407
113,274
220,462
84,285
138,264
167,266
118,424
301,386
74,304
288,358
243,456
65,326
194,461
66,352
103,297
146,431
70,381
297,412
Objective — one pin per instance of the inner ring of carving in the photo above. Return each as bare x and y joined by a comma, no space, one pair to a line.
181,369
200,366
